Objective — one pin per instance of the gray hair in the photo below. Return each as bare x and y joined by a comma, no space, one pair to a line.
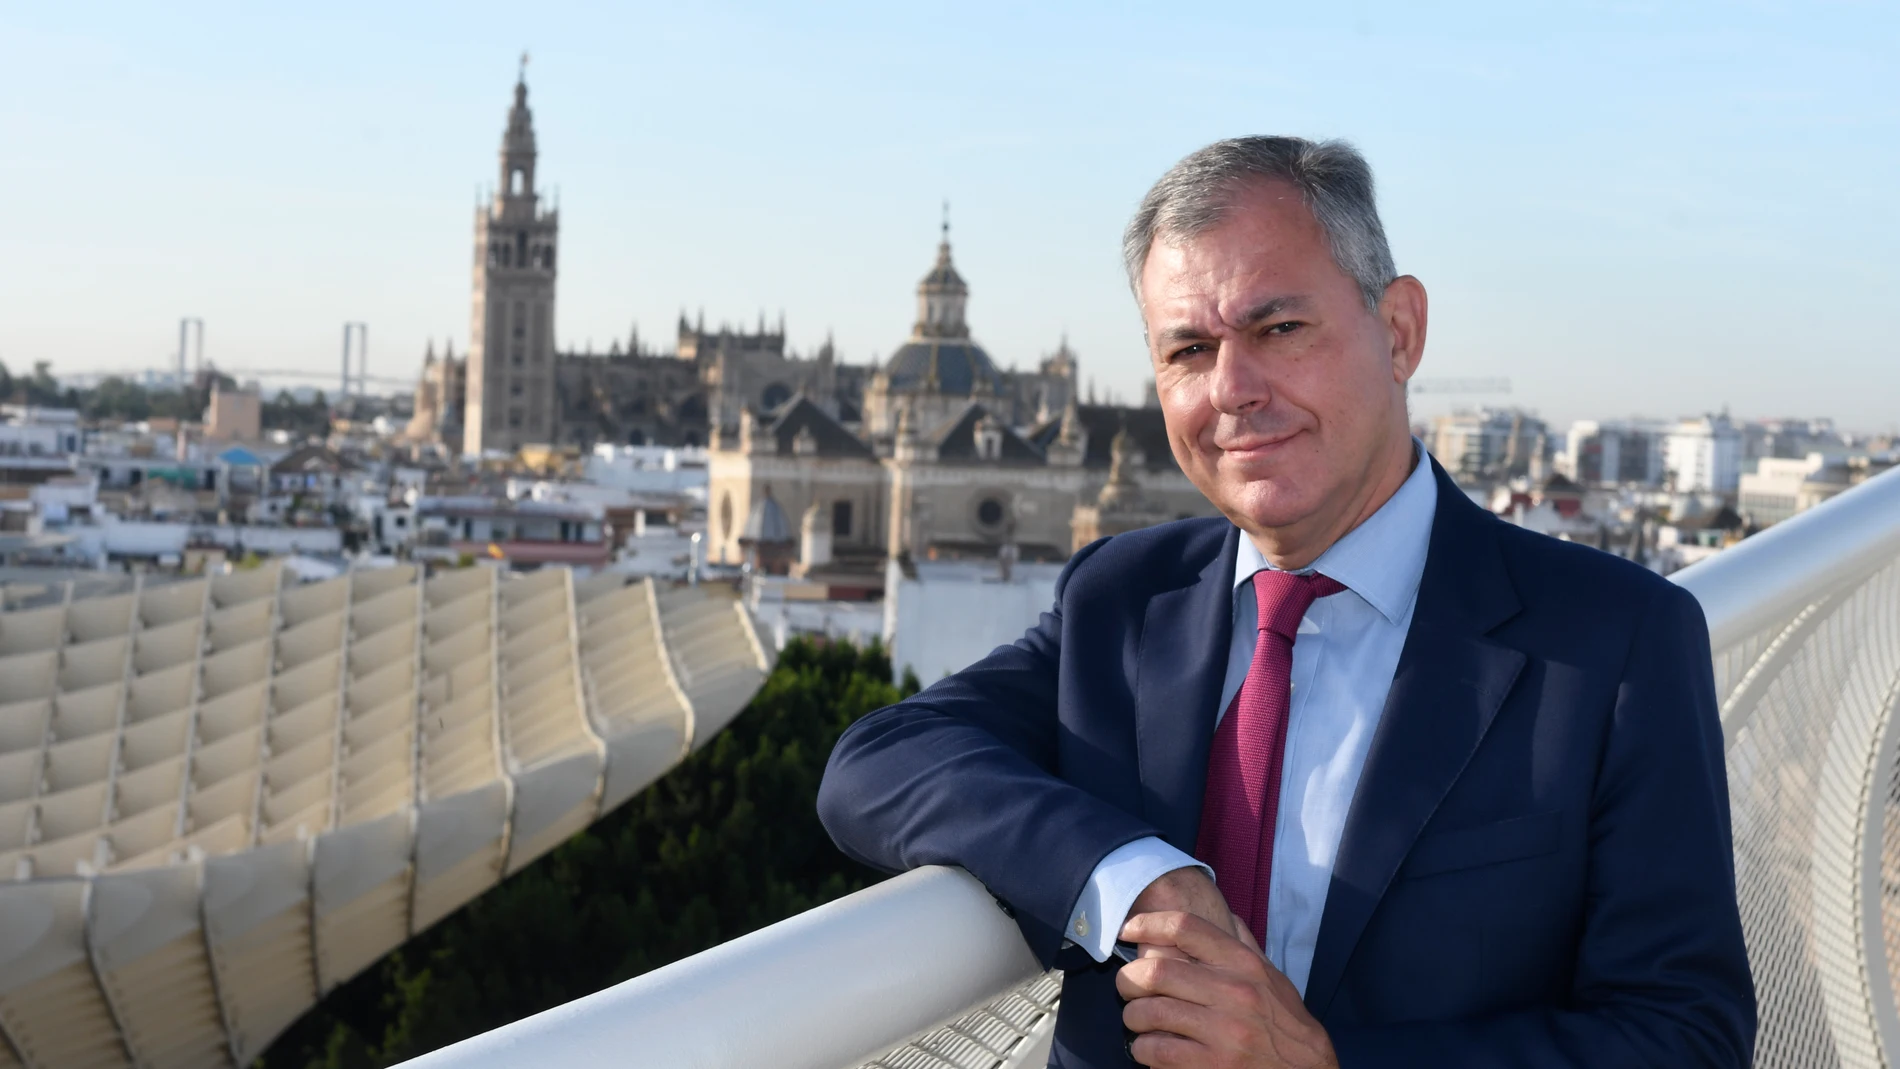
1333,178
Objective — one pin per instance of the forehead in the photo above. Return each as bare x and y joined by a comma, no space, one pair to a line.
1266,245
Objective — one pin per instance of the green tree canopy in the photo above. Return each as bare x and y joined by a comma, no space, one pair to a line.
726,843
305,419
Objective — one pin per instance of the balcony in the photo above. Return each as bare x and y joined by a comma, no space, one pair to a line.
924,971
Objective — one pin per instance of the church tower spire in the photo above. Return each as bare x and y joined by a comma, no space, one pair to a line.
942,294
517,146
510,369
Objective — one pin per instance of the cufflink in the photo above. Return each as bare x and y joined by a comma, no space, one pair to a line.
1082,925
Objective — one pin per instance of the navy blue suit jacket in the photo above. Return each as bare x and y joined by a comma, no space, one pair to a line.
1536,869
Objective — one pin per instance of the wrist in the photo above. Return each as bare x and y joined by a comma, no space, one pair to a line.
1178,890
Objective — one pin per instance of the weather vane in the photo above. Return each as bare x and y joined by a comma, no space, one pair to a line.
946,218
523,76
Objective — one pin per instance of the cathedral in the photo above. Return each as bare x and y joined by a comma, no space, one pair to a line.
816,465
954,458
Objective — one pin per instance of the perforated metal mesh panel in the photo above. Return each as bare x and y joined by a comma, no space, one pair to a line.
1808,707
1007,1032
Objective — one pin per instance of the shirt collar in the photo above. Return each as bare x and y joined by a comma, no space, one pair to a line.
1383,559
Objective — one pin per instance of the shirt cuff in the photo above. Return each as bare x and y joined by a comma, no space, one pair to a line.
1112,888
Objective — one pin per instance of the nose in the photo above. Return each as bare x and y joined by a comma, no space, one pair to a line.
1241,384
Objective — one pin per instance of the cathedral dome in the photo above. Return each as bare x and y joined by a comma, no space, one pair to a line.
940,356
943,365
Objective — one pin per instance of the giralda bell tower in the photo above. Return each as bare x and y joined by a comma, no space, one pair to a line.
511,330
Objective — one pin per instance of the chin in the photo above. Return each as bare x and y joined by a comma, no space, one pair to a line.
1266,503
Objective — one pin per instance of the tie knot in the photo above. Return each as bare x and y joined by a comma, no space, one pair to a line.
1284,597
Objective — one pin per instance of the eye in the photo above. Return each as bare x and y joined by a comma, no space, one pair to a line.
1189,350
1286,327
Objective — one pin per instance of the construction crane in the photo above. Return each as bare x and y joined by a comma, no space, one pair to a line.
1466,386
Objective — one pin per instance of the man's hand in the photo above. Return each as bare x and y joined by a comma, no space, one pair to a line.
1187,891
1220,1005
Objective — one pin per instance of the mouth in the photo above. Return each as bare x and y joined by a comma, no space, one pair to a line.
1257,447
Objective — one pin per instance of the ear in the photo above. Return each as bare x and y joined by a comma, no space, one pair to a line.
1403,310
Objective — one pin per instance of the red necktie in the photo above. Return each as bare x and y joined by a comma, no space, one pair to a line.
1242,801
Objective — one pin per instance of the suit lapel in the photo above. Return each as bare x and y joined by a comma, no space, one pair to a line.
1449,685
1181,665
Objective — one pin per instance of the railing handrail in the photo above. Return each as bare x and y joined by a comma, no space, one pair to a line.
853,978
1767,578
828,988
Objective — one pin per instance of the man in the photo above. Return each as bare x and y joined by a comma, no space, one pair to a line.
1369,777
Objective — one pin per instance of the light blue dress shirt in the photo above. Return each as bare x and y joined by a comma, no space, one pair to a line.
1343,662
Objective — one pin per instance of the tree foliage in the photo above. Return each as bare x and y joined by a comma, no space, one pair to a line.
726,843
39,388
304,419
118,398
122,399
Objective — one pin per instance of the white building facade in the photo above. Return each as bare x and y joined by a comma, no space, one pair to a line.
1613,452
1704,456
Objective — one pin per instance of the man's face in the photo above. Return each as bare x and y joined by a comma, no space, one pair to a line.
1283,395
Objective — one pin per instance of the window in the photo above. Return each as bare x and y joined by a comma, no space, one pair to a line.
515,181
725,515
989,439
841,519
990,512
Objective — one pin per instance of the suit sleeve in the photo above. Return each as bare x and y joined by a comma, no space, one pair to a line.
964,774
1661,976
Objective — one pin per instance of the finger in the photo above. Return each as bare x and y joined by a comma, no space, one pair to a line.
1161,1013
1198,937
1189,981
1155,950
1280,988
1245,935
1166,1051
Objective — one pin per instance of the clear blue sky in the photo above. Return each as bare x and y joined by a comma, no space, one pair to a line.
1626,208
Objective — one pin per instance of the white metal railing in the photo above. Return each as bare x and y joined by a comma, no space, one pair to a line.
1764,581
1805,622
825,989
1805,627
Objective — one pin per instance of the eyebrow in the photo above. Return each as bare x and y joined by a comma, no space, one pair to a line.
1264,310
1270,308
